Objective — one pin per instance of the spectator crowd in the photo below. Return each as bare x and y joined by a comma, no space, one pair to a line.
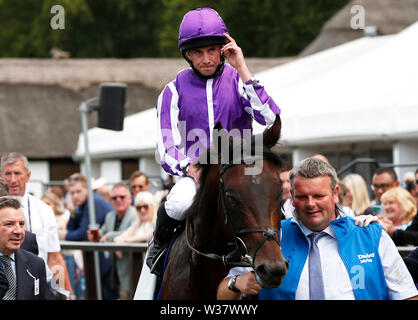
126,213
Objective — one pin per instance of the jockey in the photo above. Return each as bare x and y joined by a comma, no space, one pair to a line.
189,107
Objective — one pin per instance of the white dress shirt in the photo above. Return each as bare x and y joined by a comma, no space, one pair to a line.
288,209
40,220
12,262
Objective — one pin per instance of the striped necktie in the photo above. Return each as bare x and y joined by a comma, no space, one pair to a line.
11,293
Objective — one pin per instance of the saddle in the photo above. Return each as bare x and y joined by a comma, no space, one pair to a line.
160,260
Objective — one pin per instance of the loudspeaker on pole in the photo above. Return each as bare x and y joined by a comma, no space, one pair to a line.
111,109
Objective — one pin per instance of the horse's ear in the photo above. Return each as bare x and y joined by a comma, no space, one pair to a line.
218,126
272,135
219,135
222,143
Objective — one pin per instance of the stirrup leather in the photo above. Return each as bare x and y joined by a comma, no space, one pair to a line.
158,261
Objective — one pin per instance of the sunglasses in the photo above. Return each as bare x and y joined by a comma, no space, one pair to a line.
383,186
74,179
145,206
137,186
114,198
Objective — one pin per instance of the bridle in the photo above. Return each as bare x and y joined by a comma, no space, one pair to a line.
245,259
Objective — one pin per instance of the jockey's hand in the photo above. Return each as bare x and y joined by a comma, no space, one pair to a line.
194,172
246,283
236,58
365,219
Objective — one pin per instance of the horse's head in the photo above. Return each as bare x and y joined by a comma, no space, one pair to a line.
250,191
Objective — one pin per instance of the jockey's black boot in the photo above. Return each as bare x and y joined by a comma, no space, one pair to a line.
163,233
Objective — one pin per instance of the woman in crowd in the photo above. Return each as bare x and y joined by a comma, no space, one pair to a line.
62,216
341,196
400,209
357,197
141,230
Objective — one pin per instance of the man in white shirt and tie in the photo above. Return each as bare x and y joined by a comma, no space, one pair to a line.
329,256
39,217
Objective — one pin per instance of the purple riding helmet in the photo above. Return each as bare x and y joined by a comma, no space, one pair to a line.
200,28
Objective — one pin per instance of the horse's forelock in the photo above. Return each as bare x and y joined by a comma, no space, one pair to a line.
205,161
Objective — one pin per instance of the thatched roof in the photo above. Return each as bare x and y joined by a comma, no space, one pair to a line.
389,16
39,98
43,121
77,74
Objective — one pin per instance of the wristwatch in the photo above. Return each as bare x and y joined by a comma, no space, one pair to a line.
253,81
231,284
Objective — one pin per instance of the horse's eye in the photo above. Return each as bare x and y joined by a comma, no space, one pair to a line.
230,197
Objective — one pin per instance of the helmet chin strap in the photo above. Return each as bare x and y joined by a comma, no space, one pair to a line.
217,72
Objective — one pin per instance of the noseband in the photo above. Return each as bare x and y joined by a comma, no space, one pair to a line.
245,259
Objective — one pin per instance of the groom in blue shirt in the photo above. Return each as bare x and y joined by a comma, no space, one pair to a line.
345,262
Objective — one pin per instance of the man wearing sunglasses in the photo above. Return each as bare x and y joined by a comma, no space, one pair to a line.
115,223
383,180
138,182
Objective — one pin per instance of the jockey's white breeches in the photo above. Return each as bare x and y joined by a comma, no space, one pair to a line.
180,198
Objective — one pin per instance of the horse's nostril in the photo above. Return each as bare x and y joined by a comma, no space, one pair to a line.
272,274
260,270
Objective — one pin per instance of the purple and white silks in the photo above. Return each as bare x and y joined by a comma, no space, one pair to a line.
189,107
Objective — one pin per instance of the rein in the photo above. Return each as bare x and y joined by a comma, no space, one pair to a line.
246,260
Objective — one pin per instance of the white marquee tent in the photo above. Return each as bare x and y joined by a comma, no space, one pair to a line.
370,95
136,138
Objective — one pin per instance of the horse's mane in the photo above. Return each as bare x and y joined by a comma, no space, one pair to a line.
206,160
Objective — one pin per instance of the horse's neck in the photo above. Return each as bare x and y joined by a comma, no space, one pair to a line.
208,223
207,217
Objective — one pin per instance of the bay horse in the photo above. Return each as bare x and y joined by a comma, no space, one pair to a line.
229,207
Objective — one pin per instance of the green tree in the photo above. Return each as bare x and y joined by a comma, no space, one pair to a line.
149,28
265,28
93,28
16,19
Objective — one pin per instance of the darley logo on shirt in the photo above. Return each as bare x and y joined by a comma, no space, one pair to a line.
358,271
366,258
